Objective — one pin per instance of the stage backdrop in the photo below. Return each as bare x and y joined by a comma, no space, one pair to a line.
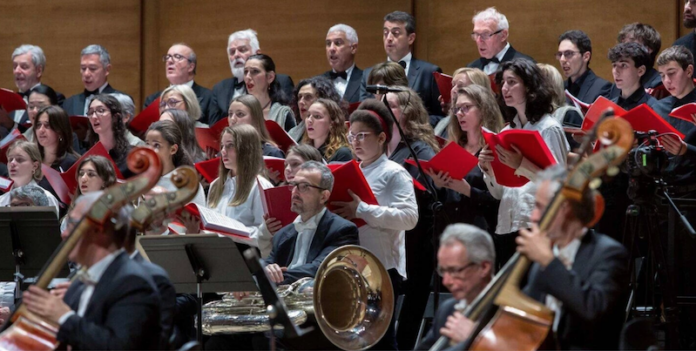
138,32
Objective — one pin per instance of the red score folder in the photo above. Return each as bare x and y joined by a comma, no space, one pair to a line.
58,184
276,203
349,176
593,113
79,122
11,101
8,140
280,136
442,142
644,119
582,106
142,121
453,159
685,112
444,85
275,164
208,169
352,107
529,142
69,176
209,137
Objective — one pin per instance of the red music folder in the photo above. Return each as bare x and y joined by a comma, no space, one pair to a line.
276,203
5,184
142,121
209,137
57,183
494,86
11,101
275,164
280,136
349,176
442,142
8,140
582,106
97,150
444,85
208,169
453,159
644,119
529,142
352,107
685,112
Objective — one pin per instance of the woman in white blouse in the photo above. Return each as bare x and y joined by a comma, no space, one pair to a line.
24,165
527,100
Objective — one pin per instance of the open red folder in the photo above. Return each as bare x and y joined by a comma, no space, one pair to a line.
594,112
69,176
79,122
275,164
352,107
8,140
349,176
529,142
685,112
142,121
11,101
280,136
209,137
453,159
444,85
582,106
208,169
644,119
57,183
442,142
276,203
5,184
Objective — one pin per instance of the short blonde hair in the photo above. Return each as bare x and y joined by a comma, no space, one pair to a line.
193,108
34,155
556,85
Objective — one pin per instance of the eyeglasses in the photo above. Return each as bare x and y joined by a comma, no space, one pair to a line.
171,103
454,271
304,187
484,36
176,57
568,54
465,108
100,112
357,137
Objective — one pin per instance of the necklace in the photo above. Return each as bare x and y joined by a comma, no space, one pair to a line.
266,105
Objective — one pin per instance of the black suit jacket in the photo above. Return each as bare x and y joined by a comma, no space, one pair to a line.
420,78
446,309
593,293
592,88
75,105
123,313
352,93
509,56
332,233
224,90
167,297
209,107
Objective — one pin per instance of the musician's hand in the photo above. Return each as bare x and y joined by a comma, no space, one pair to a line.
4,314
512,159
347,210
60,289
45,305
536,245
273,225
674,145
275,272
458,328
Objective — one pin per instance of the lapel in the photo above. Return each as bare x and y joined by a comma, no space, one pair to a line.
533,291
101,290
197,89
586,85
413,74
72,296
509,55
582,262
230,92
318,239
288,241
354,84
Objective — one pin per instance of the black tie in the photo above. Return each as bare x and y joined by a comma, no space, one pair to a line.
335,75
486,61
24,94
402,63
238,84
91,92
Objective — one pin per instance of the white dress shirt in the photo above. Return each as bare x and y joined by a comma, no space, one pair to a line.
52,201
250,213
406,59
491,67
305,234
341,84
384,233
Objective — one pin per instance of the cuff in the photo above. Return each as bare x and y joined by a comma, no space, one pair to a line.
362,208
65,317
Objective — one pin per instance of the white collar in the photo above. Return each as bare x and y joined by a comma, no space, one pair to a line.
101,88
314,219
406,59
189,83
348,71
96,271
380,160
567,253
502,53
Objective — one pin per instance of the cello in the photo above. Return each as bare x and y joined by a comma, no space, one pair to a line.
26,331
506,318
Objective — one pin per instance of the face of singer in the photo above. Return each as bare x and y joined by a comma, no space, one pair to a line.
576,65
513,90
306,96
626,74
173,100
93,72
370,148
20,166
228,152
397,42
471,120
26,74
238,52
88,178
100,123
256,78
179,72
46,136
676,79
495,43
164,150
37,101
293,162
467,283
318,123
238,114
311,201
395,107
339,51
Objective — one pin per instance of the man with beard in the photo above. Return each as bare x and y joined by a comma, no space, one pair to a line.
241,45
689,40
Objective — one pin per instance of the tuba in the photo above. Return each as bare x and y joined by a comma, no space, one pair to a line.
350,298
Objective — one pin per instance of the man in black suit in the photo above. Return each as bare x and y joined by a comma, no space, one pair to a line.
341,47
180,66
574,55
95,65
689,40
240,45
399,34
491,31
114,305
465,263
300,248
676,67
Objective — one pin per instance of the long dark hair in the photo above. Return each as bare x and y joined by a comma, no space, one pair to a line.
276,94
59,122
539,95
172,134
188,134
46,90
117,127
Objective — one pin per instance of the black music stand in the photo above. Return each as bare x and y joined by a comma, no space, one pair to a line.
28,238
212,259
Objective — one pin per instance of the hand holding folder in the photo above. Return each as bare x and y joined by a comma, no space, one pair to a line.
593,113
347,177
453,159
149,115
277,203
686,112
444,84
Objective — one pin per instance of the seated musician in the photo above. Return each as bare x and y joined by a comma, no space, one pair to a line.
580,274
465,263
300,248
114,305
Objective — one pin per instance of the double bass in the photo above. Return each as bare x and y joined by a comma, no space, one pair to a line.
506,318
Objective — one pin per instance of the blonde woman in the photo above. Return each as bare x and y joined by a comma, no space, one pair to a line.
181,97
326,131
24,166
246,109
461,78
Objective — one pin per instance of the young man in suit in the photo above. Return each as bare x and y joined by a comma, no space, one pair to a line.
114,305
689,40
491,30
300,248
399,34
95,65
574,55
465,263
341,47
180,68
240,45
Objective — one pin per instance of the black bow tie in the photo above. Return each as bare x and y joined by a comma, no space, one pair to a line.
24,94
91,92
402,63
238,84
335,75
486,61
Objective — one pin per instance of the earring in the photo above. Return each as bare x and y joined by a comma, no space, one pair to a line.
60,139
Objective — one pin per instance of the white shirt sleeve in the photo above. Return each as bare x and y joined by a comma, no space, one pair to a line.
402,211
